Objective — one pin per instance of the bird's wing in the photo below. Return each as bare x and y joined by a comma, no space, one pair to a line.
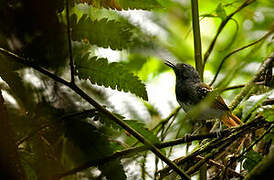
218,102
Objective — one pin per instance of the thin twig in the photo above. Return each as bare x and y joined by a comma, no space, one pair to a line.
197,37
210,155
164,121
69,44
169,125
100,108
239,86
222,25
237,50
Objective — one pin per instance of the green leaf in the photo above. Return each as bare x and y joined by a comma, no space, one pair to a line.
253,158
135,62
104,33
113,75
220,11
122,4
268,114
109,122
139,4
140,127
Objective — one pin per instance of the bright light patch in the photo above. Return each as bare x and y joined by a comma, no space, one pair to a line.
207,27
111,55
142,19
9,98
30,77
161,93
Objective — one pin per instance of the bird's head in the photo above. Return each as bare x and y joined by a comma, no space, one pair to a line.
184,71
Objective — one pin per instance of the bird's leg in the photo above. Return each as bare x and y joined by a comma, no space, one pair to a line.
217,127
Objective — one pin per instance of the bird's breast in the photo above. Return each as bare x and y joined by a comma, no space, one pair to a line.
203,113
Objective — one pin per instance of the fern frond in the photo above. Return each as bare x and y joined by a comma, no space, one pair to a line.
103,33
113,75
122,4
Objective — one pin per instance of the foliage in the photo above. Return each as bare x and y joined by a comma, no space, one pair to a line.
118,46
114,75
115,34
122,4
253,158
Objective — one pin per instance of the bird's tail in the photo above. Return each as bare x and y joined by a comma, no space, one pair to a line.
230,120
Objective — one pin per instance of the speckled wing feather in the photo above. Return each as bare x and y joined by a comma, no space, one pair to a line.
203,90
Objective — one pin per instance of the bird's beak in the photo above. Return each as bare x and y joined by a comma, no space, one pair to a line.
170,64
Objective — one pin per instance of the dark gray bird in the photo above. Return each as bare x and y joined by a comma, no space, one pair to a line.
190,91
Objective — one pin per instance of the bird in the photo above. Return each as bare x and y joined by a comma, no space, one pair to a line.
190,91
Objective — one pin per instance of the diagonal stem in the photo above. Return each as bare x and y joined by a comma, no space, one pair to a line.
221,27
69,44
237,50
100,108
197,37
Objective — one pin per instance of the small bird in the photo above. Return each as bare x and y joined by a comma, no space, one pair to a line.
190,91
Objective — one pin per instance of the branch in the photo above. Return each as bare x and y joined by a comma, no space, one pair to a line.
253,144
211,154
100,108
222,25
197,37
234,135
237,50
267,63
221,166
186,139
135,150
69,44
239,86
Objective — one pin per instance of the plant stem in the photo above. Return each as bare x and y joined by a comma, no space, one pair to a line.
221,27
237,50
197,37
69,44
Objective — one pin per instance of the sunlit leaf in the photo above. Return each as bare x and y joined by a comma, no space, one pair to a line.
113,75
268,114
122,4
104,33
